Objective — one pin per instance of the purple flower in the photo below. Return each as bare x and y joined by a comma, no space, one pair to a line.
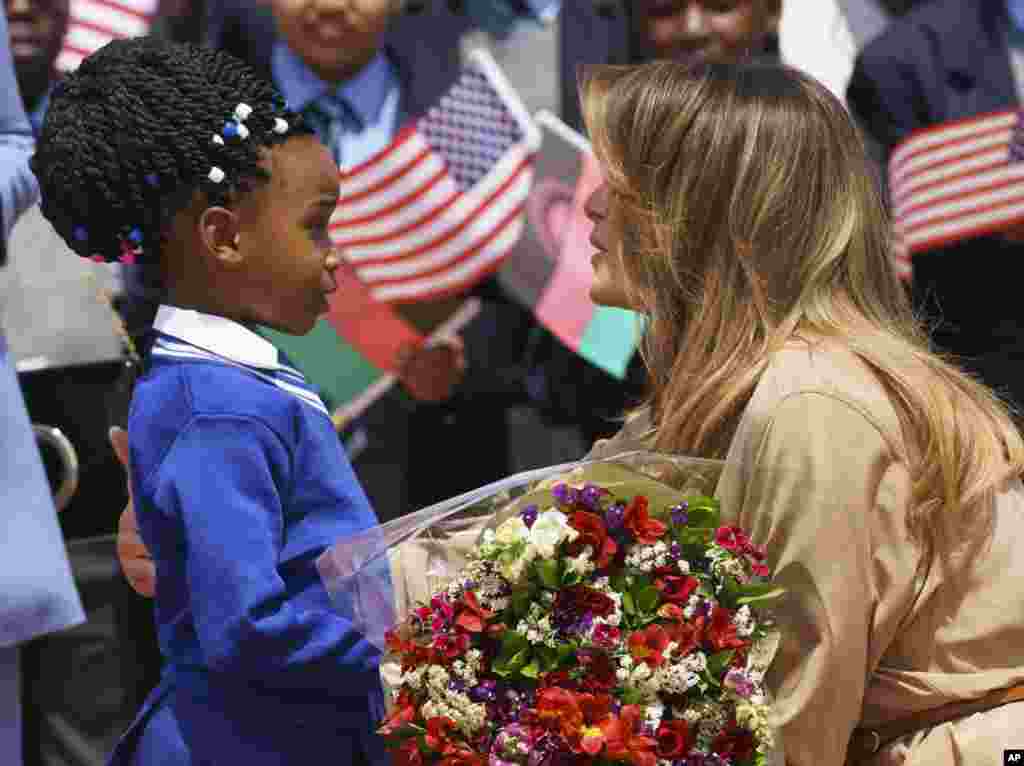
485,691
675,551
529,515
550,750
457,685
591,497
613,517
564,494
740,682
680,517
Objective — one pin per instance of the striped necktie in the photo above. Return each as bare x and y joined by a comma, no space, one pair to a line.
332,117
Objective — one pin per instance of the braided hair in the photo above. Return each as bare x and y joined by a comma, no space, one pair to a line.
138,129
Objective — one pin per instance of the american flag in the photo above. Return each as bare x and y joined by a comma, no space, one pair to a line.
94,23
956,181
439,208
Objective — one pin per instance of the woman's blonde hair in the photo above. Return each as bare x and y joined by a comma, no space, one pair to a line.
746,215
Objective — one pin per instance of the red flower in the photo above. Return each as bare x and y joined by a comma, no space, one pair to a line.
761,570
438,730
472,617
676,589
648,645
623,741
732,539
734,744
579,599
721,632
599,671
409,754
606,635
596,709
451,645
593,533
673,739
687,635
462,756
403,712
558,710
645,529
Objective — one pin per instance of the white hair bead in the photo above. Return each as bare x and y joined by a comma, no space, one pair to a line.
218,140
216,175
242,112
280,126
243,132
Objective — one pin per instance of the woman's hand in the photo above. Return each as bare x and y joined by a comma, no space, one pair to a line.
136,563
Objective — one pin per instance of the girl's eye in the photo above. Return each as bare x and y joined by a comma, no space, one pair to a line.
320,232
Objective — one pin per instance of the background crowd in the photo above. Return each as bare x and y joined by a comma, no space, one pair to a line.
523,399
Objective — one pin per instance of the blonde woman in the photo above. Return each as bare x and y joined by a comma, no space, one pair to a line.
739,215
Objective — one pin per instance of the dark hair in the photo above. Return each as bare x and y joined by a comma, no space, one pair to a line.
129,138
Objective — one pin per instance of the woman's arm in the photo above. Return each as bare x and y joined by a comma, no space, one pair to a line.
824,496
18,188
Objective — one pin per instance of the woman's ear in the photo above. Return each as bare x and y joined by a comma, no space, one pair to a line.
219,235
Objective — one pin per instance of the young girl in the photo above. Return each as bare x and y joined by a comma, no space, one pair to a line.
179,159
740,216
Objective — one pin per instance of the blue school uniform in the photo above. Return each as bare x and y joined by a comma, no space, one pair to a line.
240,483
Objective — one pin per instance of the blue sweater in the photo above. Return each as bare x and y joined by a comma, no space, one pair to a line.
240,482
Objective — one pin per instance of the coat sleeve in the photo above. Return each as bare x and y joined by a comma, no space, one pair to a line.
18,188
810,497
223,481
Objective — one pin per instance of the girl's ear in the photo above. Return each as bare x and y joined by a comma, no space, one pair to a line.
219,235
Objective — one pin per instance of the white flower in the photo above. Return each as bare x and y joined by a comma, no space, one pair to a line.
582,564
511,531
550,528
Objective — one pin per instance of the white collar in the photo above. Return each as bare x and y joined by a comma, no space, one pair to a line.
221,336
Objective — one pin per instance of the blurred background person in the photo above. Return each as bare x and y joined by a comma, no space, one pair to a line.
37,593
949,60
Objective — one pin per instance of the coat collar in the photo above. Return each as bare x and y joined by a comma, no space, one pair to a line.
217,335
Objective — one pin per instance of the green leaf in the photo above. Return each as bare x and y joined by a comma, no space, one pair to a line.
547,571
618,583
405,731
717,663
648,599
530,670
512,642
704,514
632,697
769,595
521,600
627,604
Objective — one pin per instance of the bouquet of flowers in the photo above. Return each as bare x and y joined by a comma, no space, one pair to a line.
600,616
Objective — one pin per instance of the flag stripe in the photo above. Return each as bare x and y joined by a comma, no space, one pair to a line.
369,215
952,174
480,234
1006,176
949,131
384,184
407,144
961,152
457,279
983,222
441,229
965,205
389,230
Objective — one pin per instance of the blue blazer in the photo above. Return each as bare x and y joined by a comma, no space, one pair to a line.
948,60
240,483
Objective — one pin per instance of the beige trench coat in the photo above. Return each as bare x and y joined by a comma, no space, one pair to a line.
873,631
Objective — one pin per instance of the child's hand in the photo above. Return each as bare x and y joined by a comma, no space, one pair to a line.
430,371
136,563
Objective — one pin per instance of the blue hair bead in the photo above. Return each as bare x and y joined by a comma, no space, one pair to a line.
153,179
135,235
230,129
81,234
